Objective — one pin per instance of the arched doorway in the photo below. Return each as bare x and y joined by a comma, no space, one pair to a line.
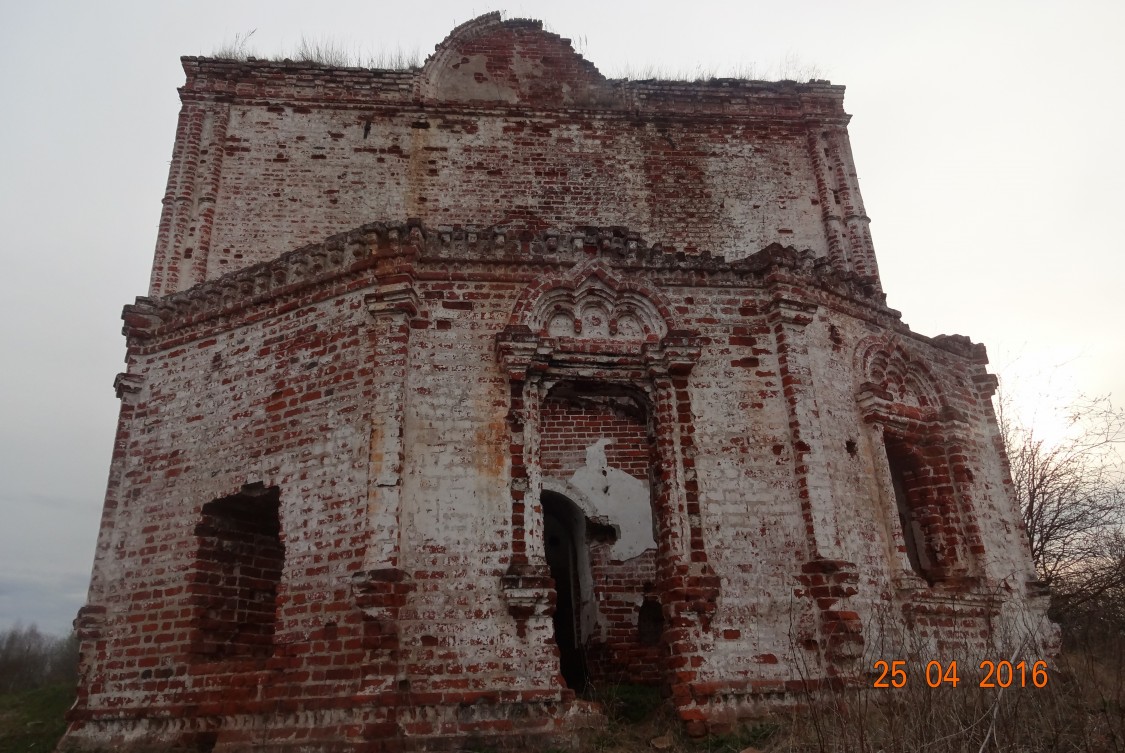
564,543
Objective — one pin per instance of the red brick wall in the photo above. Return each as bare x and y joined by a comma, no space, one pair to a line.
568,429
218,408
621,588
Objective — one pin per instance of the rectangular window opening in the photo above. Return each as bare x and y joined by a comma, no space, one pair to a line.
235,575
904,478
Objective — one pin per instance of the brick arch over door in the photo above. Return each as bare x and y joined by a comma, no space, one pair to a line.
595,282
888,368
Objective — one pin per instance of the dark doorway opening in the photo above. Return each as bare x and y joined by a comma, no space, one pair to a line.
564,543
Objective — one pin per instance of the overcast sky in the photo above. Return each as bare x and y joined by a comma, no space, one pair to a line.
987,137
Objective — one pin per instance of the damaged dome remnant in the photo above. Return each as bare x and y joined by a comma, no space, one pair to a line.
458,391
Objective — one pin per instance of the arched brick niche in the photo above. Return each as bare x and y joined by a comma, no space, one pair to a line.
589,347
921,453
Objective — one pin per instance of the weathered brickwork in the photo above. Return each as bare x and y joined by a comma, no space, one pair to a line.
462,392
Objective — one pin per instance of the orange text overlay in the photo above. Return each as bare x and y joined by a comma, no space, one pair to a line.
990,674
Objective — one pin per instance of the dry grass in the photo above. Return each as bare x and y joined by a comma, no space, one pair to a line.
336,53
236,49
325,51
789,67
1081,710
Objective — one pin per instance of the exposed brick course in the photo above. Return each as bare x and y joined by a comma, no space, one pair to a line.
442,369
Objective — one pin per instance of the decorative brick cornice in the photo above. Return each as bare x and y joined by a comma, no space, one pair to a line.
962,346
292,272
792,311
127,384
395,296
394,249
623,249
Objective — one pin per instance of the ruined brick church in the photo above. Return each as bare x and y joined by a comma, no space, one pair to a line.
463,393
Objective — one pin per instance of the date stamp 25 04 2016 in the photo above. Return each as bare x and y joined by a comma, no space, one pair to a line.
993,674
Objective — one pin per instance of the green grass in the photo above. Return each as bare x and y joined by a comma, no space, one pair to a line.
32,720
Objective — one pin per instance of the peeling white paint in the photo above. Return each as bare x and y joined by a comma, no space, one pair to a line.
617,498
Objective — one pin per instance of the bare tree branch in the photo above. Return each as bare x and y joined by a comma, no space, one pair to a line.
1072,495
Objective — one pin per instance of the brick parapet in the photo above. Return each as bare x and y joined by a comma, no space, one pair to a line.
294,83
